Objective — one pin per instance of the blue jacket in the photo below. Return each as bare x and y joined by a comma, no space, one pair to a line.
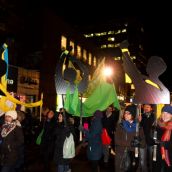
93,136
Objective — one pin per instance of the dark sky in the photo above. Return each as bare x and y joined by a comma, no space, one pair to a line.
156,21
157,33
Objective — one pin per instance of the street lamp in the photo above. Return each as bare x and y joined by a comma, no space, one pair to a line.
107,71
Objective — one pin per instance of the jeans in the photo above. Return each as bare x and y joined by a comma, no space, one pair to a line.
143,160
106,153
63,168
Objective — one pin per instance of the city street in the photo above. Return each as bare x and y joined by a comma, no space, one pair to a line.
79,163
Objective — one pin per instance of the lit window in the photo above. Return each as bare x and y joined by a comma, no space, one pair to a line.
97,34
85,35
89,59
72,44
89,35
78,51
117,58
117,45
111,39
103,33
63,42
117,32
85,55
111,32
133,57
94,61
124,30
110,45
103,46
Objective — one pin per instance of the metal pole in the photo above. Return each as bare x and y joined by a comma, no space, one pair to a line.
155,135
64,113
81,114
137,129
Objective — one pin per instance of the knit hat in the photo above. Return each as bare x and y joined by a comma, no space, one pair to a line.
98,114
11,113
167,108
132,109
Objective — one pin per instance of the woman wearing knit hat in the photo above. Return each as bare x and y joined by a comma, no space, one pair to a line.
124,136
164,130
11,139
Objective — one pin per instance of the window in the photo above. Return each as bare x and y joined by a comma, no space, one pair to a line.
103,46
90,59
78,51
85,55
63,42
111,39
73,45
111,32
94,61
110,45
124,30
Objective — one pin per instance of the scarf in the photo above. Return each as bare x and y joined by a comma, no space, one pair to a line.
167,127
129,127
7,128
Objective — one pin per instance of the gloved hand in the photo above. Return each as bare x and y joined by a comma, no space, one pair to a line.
81,128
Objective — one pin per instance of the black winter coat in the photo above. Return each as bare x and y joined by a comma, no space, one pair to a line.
61,133
10,146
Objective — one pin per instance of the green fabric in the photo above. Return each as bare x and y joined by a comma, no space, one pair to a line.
39,138
103,96
97,79
67,99
75,100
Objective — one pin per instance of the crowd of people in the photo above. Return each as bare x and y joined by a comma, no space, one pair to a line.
138,142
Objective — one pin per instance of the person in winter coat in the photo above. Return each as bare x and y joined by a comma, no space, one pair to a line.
48,141
124,136
11,140
61,132
147,122
93,137
109,123
164,150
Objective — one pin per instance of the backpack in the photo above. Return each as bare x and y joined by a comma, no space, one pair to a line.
69,147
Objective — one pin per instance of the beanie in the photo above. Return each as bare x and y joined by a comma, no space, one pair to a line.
167,108
11,113
132,109
98,114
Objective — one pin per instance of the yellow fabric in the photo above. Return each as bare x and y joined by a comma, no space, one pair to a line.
158,112
16,101
6,105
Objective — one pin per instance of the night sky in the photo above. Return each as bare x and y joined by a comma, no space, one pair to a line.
157,34
156,22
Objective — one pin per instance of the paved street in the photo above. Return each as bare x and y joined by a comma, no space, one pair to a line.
79,163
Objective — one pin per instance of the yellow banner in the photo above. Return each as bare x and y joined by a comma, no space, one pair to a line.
16,101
